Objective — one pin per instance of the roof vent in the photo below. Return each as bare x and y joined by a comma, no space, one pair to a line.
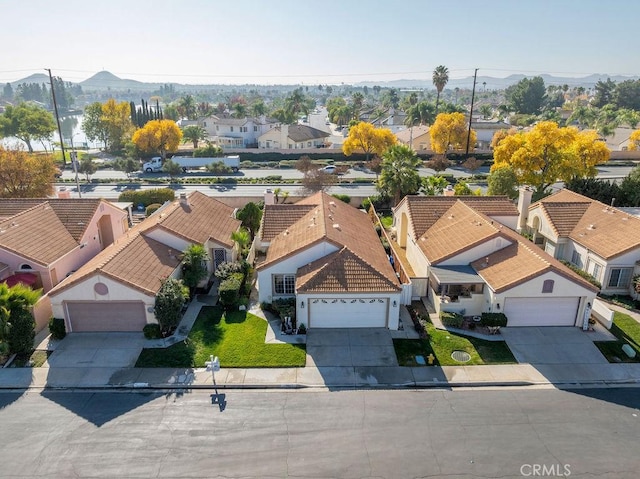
332,203
336,226
591,227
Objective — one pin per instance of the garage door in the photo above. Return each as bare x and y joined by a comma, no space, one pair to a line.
348,313
541,311
106,316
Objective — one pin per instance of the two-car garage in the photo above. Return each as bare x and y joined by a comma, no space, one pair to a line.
347,312
105,316
541,311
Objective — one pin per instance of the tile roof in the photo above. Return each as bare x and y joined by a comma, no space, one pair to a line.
607,231
201,219
36,234
277,218
424,211
74,213
300,133
459,228
342,272
141,262
335,222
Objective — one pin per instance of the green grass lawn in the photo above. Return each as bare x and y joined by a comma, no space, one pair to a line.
627,330
34,360
442,343
236,337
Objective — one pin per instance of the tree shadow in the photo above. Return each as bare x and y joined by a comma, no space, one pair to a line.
627,397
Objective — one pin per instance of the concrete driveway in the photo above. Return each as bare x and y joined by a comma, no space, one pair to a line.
350,347
91,350
552,345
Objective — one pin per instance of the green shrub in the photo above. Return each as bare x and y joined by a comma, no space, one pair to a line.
152,331
147,197
344,198
493,319
229,290
582,274
152,209
57,328
218,168
22,332
285,307
226,269
450,319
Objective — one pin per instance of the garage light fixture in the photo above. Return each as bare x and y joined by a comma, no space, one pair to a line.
395,303
302,304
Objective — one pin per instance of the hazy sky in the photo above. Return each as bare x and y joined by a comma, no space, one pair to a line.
311,42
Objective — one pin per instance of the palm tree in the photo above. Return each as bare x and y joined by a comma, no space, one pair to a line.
194,134
399,176
242,239
258,108
440,79
358,102
187,107
239,110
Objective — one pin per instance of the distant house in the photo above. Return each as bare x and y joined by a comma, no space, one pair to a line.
464,256
327,255
293,137
599,239
485,131
116,290
417,137
229,132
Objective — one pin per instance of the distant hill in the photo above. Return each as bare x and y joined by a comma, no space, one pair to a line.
105,80
35,78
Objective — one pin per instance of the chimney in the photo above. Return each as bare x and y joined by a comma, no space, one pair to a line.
613,200
449,191
269,197
183,199
524,201
64,193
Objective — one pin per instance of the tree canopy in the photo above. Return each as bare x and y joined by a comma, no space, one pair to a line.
440,79
117,121
162,136
25,175
365,138
399,176
194,134
548,153
27,122
527,96
450,130
250,215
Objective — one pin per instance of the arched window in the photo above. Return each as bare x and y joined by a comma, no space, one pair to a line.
547,286
25,267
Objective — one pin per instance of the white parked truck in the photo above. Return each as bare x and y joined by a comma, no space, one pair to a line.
189,163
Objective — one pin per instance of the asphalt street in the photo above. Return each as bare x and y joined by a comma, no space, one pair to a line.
317,433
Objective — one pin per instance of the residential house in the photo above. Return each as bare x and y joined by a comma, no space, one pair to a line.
229,132
327,255
293,137
485,129
417,137
45,239
463,254
601,240
116,290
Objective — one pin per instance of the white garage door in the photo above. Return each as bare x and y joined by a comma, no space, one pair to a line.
348,313
541,311
105,316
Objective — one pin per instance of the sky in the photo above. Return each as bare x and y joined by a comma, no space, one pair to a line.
316,42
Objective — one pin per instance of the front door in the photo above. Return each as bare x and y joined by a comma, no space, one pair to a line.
219,257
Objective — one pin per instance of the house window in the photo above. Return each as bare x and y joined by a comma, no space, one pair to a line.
547,286
255,128
204,123
596,270
231,129
619,278
217,127
576,259
309,144
284,284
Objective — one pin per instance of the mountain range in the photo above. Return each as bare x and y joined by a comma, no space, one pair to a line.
105,81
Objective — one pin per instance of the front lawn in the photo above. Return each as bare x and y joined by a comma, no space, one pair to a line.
236,337
627,330
442,343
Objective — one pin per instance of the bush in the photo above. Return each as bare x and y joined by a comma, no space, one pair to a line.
582,274
226,269
147,197
344,198
493,319
169,301
229,290
57,328
302,329
451,320
285,307
218,168
22,332
152,209
152,331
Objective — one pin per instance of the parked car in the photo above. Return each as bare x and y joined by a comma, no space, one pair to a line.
331,169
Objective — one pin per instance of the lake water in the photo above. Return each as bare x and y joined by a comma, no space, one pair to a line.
71,131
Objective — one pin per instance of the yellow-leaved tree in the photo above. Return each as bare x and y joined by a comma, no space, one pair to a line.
162,136
25,175
365,138
548,153
634,140
116,118
450,130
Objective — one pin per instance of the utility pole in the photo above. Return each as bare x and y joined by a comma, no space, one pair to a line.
55,107
473,95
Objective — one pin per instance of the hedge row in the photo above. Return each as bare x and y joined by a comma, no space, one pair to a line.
493,319
451,320
148,197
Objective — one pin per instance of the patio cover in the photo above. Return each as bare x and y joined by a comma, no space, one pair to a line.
28,279
455,275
